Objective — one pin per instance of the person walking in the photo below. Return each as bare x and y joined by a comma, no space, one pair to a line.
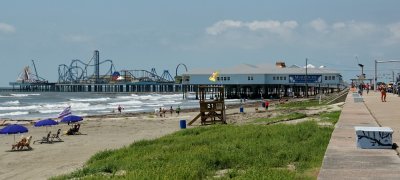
120,109
383,90
266,105
164,110
171,110
178,109
360,88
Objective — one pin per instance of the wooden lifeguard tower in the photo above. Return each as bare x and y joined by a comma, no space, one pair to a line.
212,110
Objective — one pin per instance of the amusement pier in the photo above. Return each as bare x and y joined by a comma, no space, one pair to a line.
242,81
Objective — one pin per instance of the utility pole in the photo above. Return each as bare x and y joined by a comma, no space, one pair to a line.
375,77
362,70
393,77
306,78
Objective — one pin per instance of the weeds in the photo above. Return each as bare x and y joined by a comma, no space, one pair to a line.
279,118
244,152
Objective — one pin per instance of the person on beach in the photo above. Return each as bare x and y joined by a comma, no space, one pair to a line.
160,112
171,110
20,144
266,105
178,109
120,109
164,110
382,88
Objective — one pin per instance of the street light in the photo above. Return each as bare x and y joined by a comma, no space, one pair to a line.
362,70
306,79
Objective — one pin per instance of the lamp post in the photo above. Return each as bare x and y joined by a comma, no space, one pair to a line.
362,70
306,79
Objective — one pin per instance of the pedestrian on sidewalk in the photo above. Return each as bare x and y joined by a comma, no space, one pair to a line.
360,88
382,88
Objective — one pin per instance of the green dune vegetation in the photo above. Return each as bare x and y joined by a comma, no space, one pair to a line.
249,151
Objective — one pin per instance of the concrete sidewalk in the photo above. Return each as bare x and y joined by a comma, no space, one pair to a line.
343,160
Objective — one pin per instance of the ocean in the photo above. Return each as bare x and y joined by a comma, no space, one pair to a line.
40,105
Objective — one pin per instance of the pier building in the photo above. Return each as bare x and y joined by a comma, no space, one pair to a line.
267,81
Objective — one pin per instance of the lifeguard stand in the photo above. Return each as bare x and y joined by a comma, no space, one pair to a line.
212,110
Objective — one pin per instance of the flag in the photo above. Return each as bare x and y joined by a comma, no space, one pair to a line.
213,76
65,112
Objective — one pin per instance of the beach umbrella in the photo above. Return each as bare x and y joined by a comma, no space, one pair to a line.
71,118
14,129
46,122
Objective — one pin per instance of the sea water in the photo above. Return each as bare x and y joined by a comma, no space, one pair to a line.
39,105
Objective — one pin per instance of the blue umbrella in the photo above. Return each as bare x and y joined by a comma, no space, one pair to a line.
71,118
14,129
46,122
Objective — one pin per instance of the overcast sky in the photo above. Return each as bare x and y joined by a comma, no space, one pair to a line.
206,33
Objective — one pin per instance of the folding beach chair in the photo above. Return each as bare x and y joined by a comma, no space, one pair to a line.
56,136
46,139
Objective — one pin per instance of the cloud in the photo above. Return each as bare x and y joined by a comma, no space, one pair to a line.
319,25
361,28
394,30
315,33
6,28
348,27
271,26
339,25
222,26
393,34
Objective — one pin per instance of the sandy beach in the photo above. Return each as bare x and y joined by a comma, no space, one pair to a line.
99,133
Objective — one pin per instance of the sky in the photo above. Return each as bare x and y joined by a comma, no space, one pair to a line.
149,34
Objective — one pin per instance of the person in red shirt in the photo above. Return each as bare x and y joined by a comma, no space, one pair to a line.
266,105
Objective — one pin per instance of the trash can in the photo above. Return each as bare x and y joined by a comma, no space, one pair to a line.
182,124
241,109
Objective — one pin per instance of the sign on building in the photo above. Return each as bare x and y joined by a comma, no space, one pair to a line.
302,78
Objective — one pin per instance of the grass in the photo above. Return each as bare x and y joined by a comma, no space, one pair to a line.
301,105
331,117
250,151
243,152
285,117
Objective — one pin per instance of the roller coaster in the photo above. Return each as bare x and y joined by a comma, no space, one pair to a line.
27,76
80,72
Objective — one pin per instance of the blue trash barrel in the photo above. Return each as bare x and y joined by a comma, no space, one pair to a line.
182,124
241,109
